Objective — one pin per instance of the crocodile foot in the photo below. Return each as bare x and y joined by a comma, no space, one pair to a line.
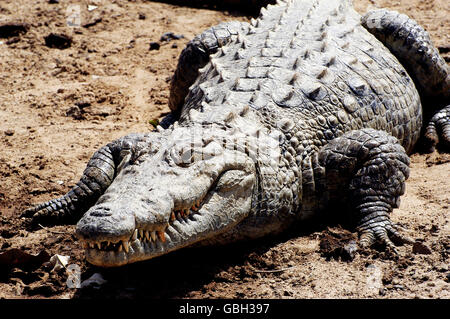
383,231
438,130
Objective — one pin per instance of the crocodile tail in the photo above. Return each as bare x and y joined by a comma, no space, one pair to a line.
412,46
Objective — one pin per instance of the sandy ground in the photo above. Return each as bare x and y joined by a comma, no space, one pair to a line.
57,106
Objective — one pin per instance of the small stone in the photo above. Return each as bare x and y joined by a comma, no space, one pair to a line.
59,41
350,250
9,132
12,29
154,46
74,112
444,48
141,16
168,36
82,104
434,229
400,287
95,281
420,248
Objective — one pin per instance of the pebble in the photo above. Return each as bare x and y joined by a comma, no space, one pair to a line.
9,132
12,29
398,287
154,46
168,36
351,248
59,41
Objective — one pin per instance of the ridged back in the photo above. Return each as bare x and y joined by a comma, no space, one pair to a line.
310,67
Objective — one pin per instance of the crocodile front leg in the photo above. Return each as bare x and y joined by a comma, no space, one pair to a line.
370,167
98,175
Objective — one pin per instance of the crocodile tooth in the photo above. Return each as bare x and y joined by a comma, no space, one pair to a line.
126,246
161,236
120,248
147,235
135,233
263,11
172,216
99,245
141,233
153,234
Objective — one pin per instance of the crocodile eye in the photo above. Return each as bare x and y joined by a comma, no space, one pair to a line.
185,154
182,155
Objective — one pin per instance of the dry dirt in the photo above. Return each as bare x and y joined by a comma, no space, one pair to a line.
57,106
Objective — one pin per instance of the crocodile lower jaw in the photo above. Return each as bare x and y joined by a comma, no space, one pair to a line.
145,244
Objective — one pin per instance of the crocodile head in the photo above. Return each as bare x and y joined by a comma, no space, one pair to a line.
192,188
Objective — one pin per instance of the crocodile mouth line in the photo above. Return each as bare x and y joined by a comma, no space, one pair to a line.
144,236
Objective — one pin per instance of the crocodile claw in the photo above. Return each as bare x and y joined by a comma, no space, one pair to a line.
386,233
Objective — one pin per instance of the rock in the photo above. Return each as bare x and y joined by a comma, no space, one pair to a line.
59,41
420,248
400,287
82,104
12,29
9,132
168,36
350,249
93,21
434,229
141,16
154,46
95,281
444,48
59,262
75,112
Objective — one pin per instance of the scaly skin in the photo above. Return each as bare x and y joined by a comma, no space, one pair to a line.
274,122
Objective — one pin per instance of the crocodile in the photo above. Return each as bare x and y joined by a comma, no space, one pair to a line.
307,111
